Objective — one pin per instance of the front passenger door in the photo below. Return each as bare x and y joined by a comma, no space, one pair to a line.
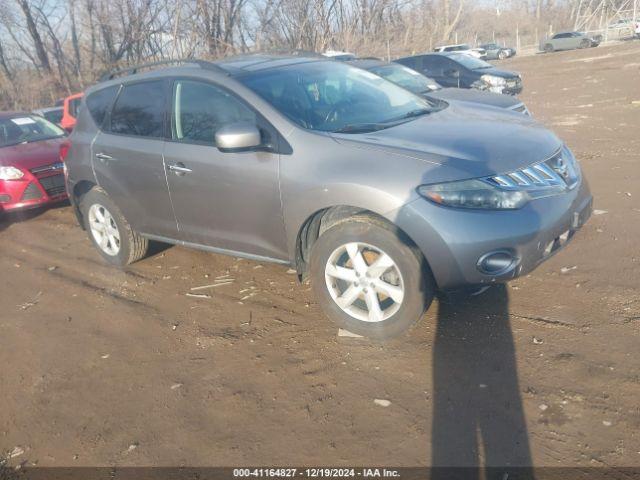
226,200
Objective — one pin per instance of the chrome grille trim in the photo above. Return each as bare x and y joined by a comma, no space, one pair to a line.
540,175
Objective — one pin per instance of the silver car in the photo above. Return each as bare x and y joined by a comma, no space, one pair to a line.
569,41
377,195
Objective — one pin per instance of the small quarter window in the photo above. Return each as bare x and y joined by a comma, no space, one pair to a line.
100,102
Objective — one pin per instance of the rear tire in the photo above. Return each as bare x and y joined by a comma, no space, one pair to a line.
379,300
109,231
502,55
585,43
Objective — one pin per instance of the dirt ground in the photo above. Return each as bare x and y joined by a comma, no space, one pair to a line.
107,367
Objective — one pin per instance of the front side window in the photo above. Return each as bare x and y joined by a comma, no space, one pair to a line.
436,65
201,109
139,110
472,63
334,97
27,129
406,78
54,116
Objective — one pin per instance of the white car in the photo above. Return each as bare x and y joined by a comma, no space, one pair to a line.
463,48
339,55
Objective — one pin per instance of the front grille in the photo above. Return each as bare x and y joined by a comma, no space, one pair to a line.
58,166
32,192
53,185
558,171
514,82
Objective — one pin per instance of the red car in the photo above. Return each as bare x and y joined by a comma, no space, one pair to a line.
31,169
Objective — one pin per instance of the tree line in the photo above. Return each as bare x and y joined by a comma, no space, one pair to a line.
52,48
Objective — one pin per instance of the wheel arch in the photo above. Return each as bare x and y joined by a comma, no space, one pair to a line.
323,219
79,190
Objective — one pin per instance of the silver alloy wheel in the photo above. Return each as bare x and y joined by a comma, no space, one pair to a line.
364,282
104,229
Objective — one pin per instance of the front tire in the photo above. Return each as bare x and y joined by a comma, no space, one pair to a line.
369,278
502,55
585,43
109,231
548,48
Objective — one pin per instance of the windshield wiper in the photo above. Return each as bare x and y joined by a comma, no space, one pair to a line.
417,113
360,128
412,114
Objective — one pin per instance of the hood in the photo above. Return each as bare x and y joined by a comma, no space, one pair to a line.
467,140
476,96
31,155
496,72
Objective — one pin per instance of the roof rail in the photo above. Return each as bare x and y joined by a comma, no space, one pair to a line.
204,64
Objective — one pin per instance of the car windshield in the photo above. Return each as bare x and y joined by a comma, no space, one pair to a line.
334,97
27,129
470,62
406,78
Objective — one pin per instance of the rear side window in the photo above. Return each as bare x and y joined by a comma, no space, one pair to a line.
100,102
139,110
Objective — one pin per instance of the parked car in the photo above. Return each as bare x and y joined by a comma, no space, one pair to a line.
569,41
70,108
377,196
464,71
30,168
430,89
53,114
496,52
621,23
462,48
339,55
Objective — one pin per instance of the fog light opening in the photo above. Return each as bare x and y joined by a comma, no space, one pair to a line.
497,263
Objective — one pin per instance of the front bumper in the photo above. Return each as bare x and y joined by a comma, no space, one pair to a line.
454,240
36,188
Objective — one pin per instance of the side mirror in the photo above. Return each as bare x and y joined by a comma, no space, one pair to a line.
238,136
453,73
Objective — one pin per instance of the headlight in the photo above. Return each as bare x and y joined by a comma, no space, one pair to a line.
473,194
10,173
493,80
511,190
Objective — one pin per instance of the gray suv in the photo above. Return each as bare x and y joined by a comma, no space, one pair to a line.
377,195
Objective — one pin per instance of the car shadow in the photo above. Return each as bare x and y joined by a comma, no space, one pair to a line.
9,218
478,417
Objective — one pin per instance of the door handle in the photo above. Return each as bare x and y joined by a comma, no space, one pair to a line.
104,158
179,168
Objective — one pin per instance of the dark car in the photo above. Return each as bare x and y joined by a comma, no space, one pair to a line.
53,114
427,87
496,52
464,71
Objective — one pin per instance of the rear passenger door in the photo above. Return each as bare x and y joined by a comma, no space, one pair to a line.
127,157
226,200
